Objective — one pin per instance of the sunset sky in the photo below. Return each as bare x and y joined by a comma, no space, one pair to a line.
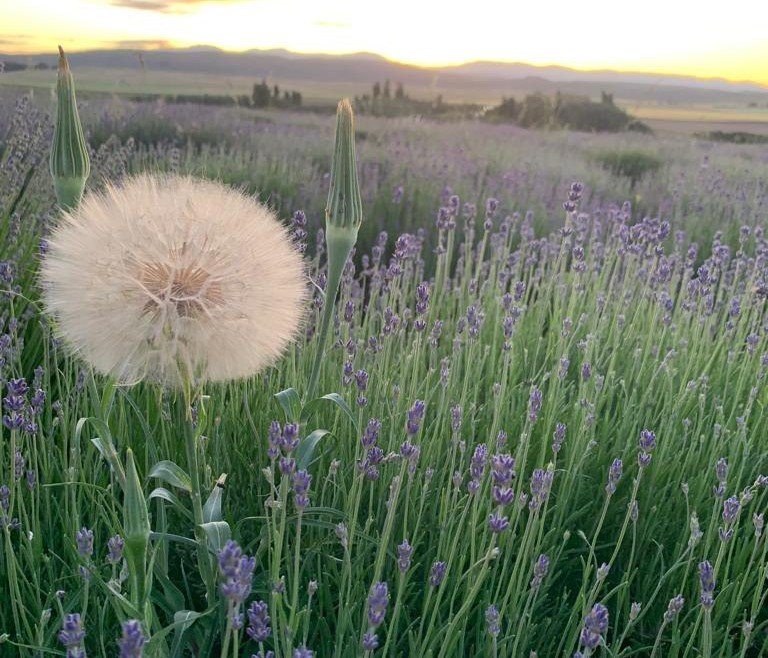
708,39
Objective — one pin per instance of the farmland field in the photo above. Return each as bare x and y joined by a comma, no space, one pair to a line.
537,428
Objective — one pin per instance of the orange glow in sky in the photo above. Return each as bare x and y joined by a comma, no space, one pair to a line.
707,39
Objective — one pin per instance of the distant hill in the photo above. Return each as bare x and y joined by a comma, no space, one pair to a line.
485,79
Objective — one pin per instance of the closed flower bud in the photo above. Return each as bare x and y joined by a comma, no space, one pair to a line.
69,163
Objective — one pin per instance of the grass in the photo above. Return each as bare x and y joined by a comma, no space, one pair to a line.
558,340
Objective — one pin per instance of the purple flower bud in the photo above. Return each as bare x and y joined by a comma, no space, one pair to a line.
437,573
540,570
497,522
674,607
258,629
115,546
492,621
707,583
84,540
404,553
614,475
236,570
378,600
132,641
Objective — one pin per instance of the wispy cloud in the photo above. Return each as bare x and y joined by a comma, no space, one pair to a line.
15,39
166,6
141,44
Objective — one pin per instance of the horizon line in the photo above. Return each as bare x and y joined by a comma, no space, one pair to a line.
556,65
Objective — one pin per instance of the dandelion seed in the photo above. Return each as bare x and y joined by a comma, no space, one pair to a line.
166,278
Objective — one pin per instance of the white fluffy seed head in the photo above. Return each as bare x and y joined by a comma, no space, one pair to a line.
164,278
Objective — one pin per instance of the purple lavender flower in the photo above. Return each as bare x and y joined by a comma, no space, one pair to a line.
115,546
647,444
731,508
595,626
361,379
415,416
236,570
534,404
707,583
437,573
614,475
274,439
303,652
586,371
404,554
290,439
574,196
378,600
84,540
456,418
492,621
541,483
502,495
132,641
540,570
370,641
502,468
287,465
674,607
301,483
371,435
258,629
497,522
479,460
558,436
72,635
721,472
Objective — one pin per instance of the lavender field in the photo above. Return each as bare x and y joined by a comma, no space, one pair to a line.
535,429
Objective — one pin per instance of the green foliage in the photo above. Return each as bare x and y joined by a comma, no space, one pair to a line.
536,111
587,116
631,164
739,137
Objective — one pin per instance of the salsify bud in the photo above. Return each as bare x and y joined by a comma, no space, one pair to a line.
344,210
69,163
343,216
345,206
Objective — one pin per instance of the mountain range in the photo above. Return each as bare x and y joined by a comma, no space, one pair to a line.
481,78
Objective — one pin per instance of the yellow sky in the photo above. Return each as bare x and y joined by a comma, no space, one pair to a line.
703,38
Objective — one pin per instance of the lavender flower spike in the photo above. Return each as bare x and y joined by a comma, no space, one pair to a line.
132,642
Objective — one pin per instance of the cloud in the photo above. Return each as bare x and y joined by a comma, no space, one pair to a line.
15,39
165,6
141,44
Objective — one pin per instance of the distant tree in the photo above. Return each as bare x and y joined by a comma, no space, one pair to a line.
399,91
507,110
535,111
606,99
296,98
261,94
41,66
376,90
387,93
582,114
275,92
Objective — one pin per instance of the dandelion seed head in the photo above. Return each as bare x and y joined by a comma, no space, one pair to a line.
164,277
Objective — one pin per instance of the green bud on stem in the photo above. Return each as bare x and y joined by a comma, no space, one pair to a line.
343,216
70,165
